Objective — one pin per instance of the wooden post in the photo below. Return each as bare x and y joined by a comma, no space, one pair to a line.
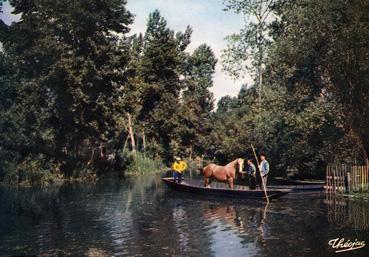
351,178
354,178
261,176
357,178
327,179
357,188
362,178
348,182
366,177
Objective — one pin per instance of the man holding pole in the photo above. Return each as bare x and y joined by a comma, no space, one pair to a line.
264,169
262,180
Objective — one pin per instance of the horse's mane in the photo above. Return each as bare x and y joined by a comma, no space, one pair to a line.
232,162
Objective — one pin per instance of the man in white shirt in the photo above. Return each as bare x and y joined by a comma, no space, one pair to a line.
264,168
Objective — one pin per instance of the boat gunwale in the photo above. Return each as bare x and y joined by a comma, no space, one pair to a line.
273,191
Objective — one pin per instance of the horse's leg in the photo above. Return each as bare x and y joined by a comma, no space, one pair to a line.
209,182
206,182
230,182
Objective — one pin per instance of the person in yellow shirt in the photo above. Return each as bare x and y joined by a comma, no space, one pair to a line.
178,168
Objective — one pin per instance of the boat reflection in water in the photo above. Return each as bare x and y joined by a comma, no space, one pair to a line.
250,222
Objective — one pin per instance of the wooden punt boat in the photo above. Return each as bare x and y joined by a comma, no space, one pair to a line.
196,187
299,188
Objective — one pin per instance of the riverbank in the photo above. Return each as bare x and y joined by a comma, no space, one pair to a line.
133,164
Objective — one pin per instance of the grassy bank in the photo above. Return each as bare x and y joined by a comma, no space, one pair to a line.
32,173
141,164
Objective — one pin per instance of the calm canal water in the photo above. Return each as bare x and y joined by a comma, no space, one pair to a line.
141,217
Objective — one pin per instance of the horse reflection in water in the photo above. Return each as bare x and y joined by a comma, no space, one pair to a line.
225,173
247,221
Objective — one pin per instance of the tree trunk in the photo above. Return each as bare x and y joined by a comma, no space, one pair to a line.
137,142
125,144
131,135
260,60
101,151
143,141
260,80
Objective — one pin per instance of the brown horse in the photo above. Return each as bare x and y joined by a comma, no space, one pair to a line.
222,173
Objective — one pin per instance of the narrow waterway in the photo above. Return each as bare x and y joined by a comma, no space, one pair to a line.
141,217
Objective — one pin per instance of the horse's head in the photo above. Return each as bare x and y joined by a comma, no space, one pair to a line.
239,164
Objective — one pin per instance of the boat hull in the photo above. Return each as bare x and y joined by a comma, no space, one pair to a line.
299,185
299,188
224,192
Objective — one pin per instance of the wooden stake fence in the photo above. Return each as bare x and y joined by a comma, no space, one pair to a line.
347,179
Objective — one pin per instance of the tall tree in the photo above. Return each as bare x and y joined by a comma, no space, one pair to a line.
247,50
161,65
197,103
323,47
201,68
68,65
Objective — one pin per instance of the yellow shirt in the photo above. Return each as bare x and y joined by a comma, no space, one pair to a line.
179,166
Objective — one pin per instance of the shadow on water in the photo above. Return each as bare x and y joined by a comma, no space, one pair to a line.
141,217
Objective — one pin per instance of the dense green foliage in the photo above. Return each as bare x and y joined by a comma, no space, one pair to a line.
66,70
329,59
70,76
313,107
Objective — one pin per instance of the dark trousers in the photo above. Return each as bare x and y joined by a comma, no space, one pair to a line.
252,182
265,178
177,177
